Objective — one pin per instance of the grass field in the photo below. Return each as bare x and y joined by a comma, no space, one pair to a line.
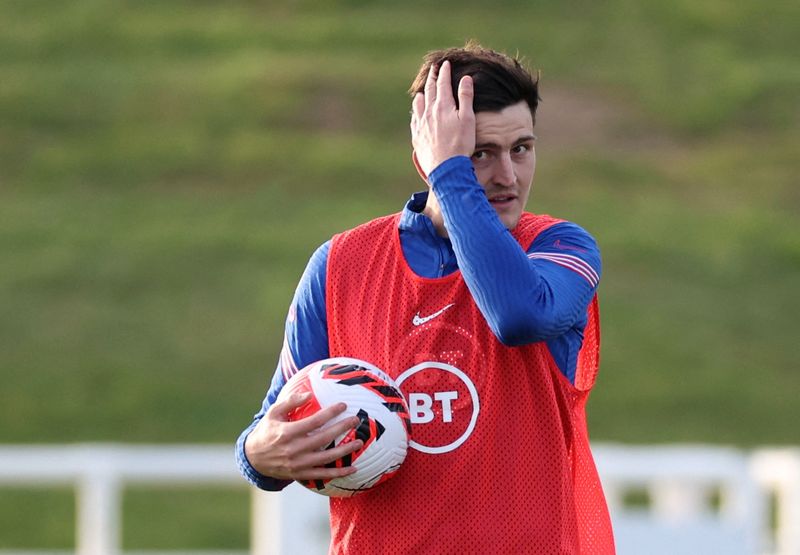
166,169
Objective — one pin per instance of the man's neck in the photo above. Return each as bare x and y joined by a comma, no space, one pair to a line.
434,212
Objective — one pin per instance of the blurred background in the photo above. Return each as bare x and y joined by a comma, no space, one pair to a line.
167,168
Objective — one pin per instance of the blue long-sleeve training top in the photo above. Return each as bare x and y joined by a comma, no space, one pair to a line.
526,297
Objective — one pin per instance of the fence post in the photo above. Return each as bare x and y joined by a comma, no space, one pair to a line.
675,500
778,472
98,513
294,520
265,523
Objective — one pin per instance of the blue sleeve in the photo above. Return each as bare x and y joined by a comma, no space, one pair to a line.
305,341
525,296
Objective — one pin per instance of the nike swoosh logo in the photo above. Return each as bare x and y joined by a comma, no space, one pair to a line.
418,321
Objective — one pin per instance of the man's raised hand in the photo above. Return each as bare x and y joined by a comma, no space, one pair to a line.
439,129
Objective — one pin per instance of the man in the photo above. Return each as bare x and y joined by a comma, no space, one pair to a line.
486,316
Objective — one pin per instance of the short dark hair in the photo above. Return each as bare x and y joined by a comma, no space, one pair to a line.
499,80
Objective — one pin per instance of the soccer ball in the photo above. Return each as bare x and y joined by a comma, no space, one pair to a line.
384,425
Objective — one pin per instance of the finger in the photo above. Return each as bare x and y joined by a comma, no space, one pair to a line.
319,460
430,86
444,88
417,107
281,409
322,437
318,419
466,93
324,473
327,456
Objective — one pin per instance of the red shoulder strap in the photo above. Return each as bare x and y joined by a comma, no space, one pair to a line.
531,225
589,356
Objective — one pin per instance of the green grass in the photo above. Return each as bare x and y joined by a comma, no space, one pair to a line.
167,168
37,518
165,518
184,518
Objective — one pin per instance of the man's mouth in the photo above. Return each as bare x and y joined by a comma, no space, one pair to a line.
501,200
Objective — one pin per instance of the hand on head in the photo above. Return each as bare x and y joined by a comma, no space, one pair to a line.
439,129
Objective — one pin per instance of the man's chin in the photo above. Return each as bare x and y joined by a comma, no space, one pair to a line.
510,223
510,220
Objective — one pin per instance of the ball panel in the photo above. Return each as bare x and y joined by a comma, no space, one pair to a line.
301,383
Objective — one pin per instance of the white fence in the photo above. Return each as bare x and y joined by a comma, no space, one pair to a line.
664,499
702,499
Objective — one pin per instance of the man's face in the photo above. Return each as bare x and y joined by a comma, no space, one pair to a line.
505,159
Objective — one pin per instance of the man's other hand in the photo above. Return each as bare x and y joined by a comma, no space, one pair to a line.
282,449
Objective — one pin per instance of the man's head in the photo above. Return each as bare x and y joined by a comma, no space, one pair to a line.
505,100
498,80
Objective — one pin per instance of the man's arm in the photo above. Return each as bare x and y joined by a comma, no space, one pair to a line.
271,451
524,296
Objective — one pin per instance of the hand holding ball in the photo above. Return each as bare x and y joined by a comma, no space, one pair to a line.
384,425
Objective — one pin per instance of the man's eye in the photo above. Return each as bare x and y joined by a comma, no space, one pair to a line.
521,149
480,155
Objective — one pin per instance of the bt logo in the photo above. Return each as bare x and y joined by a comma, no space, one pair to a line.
443,405
420,406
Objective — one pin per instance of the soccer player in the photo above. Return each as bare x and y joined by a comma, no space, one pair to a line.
484,313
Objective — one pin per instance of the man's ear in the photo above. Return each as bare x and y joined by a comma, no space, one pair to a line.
419,168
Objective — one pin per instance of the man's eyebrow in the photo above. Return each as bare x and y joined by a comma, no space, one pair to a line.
522,139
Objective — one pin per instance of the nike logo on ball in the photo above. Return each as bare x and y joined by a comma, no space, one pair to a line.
418,320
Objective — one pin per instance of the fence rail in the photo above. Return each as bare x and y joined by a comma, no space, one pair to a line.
687,499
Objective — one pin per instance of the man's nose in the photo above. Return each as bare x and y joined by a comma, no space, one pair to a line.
504,171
